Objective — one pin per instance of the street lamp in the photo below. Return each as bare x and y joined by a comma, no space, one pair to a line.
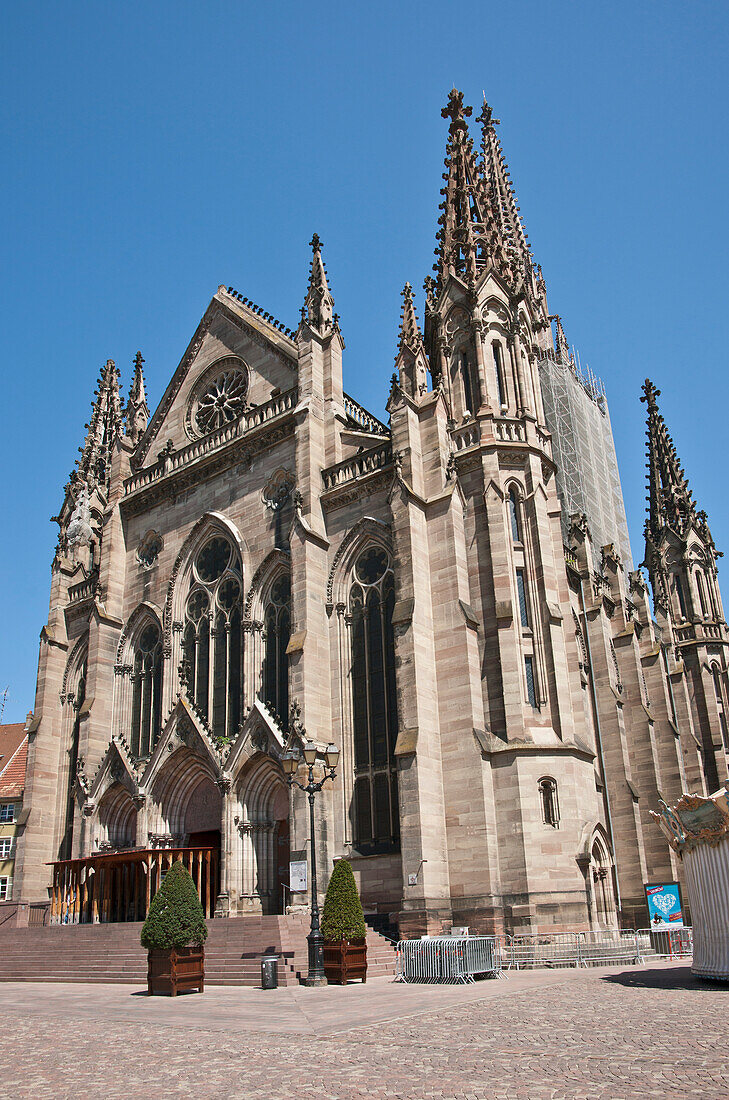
290,764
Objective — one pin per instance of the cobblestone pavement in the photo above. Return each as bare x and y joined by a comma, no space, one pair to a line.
593,1035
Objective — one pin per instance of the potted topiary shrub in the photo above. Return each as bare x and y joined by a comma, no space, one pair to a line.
174,933
343,928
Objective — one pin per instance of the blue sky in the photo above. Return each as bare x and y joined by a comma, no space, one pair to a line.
153,151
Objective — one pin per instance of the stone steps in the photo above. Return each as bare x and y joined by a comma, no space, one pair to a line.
112,952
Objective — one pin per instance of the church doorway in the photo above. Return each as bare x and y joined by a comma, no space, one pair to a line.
282,864
263,827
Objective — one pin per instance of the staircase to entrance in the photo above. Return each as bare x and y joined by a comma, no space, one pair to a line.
112,952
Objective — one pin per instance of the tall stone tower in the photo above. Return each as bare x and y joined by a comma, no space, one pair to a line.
680,556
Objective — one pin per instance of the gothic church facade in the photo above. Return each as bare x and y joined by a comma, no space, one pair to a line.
263,561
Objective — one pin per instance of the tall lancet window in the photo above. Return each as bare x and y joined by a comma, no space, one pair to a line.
499,371
467,382
147,690
212,636
278,632
374,704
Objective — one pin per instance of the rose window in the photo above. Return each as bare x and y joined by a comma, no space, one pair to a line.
223,399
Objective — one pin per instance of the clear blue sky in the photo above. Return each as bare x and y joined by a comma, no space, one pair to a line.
153,151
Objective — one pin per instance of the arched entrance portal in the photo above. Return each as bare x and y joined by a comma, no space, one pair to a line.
263,828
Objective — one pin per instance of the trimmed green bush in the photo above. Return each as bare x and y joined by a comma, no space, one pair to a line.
175,917
342,918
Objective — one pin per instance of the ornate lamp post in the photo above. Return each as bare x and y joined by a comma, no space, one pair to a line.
290,763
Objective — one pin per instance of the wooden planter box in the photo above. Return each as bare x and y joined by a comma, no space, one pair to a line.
346,960
179,970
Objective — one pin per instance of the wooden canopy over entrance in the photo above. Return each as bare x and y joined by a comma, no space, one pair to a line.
119,886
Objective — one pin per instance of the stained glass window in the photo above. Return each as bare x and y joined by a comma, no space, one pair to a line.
278,632
374,703
146,690
212,639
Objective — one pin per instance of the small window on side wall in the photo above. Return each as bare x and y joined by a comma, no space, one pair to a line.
549,801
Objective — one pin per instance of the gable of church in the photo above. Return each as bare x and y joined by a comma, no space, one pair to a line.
236,361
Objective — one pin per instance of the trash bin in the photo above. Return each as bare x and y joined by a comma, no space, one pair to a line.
269,972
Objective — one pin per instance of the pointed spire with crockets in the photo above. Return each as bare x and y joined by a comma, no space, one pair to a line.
318,308
502,200
93,467
670,502
462,238
137,410
410,335
411,361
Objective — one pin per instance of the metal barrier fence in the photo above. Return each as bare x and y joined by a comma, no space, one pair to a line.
669,943
563,949
445,959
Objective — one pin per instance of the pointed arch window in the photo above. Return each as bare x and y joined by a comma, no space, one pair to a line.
374,704
499,369
278,632
146,690
702,595
717,678
680,595
212,638
77,698
514,516
467,382
549,801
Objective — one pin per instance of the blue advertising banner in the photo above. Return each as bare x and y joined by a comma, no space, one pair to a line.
664,905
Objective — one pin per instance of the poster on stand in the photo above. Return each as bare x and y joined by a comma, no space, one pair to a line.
297,875
665,908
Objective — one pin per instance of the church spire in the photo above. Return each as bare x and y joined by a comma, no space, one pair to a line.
502,200
411,362
670,502
137,410
318,308
94,465
463,206
410,335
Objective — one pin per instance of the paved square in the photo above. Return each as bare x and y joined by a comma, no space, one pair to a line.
603,1034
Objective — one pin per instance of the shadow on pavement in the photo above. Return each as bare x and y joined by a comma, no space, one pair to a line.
677,977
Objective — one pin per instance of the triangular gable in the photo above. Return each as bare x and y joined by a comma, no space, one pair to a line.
260,732
226,321
117,766
183,727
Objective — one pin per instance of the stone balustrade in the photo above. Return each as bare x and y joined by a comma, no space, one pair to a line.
465,436
365,419
172,461
359,465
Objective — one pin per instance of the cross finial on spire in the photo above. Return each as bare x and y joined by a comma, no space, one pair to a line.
454,109
650,394
486,118
137,410
319,304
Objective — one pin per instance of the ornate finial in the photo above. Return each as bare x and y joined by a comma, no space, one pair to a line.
319,304
137,411
185,674
451,471
650,394
455,109
486,118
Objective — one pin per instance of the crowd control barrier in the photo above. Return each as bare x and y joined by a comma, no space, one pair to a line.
565,949
446,959
669,943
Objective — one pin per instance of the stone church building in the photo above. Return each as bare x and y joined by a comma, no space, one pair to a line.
262,561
